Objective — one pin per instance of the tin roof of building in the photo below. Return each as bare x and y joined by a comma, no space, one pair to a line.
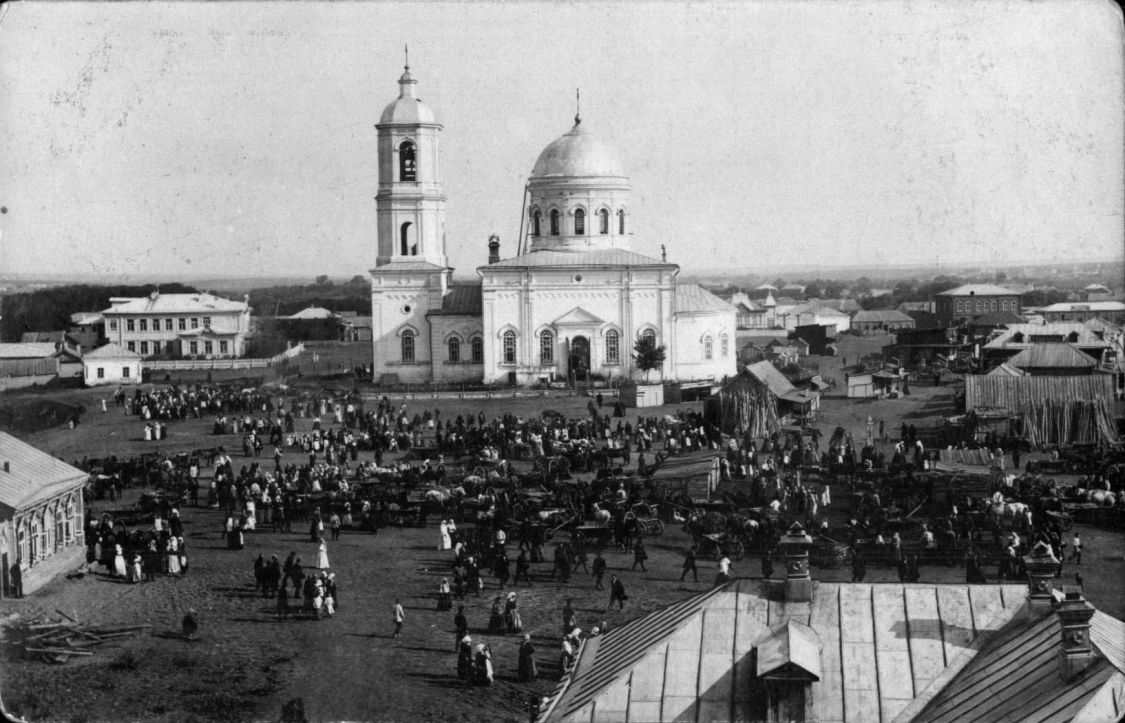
32,475
461,300
578,257
111,351
1038,333
28,350
887,652
978,290
693,298
1072,306
175,304
881,316
1053,356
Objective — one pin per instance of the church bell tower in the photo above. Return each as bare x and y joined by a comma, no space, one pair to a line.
410,203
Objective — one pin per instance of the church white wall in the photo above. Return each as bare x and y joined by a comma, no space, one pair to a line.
690,350
465,329
399,303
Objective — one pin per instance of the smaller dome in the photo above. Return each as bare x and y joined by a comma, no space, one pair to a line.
406,108
578,153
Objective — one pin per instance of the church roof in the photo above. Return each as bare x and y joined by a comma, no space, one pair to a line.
591,257
694,298
462,300
578,153
406,109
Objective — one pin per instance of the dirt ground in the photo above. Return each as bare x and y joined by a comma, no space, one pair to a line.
245,664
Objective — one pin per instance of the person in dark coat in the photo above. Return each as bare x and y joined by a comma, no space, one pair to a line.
527,668
689,565
523,568
599,571
282,603
461,627
639,555
859,566
767,566
465,658
15,579
616,593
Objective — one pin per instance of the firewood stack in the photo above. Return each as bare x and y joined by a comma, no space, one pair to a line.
60,641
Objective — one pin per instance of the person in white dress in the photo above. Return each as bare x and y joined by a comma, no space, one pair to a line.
118,561
444,542
322,555
173,557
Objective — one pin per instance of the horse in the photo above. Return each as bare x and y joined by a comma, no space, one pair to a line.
601,515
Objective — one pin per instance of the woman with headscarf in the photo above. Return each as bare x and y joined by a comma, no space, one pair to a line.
465,658
118,562
483,665
512,614
172,555
527,668
322,555
444,598
444,541
496,620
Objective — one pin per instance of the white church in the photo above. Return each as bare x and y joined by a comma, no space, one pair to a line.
569,306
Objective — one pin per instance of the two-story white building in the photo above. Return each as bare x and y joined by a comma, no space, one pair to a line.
179,325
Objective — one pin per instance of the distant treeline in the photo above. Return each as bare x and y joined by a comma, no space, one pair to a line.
355,295
50,309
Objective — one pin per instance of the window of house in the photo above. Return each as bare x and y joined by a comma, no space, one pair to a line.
131,345
144,348
208,347
194,323
454,353
603,221
23,543
193,347
724,345
101,372
546,348
155,347
129,325
206,321
960,307
124,372
167,325
708,348
554,222
113,324
621,222
60,526
407,167
44,542
144,324
509,346
224,347
579,223
407,347
70,521
478,350
35,548
183,324
536,223
612,347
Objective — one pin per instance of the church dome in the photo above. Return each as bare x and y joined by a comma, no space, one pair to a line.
578,153
406,109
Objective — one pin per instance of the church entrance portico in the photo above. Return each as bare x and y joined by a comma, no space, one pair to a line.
578,359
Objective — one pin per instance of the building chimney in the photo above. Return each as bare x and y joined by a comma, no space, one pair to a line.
493,249
1076,653
795,546
7,466
155,293
1041,566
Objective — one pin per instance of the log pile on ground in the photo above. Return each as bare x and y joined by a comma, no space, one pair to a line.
59,641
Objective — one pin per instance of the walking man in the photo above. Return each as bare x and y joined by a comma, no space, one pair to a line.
599,570
1076,553
689,564
399,616
616,593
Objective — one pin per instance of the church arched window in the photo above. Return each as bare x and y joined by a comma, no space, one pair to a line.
407,347
477,345
407,247
708,348
407,167
536,223
648,336
546,348
509,340
724,345
612,347
554,222
603,222
621,222
579,223
454,345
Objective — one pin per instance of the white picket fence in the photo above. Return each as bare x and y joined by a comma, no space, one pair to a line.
191,364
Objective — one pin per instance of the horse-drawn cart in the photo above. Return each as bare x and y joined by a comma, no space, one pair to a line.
721,544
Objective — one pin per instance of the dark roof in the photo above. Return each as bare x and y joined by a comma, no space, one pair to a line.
33,337
881,316
462,300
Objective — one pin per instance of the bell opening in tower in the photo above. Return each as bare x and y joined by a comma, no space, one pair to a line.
407,168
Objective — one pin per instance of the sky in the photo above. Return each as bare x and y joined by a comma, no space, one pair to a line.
235,139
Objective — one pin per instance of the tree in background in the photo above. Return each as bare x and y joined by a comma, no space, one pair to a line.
648,356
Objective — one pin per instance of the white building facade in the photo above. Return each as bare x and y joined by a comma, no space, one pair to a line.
570,305
179,325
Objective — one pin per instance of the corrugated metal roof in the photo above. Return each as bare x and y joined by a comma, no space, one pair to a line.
1053,356
881,647
881,316
396,266
36,337
978,290
112,351
1069,306
1007,370
461,300
31,350
578,257
175,304
694,298
33,475
1035,333
769,375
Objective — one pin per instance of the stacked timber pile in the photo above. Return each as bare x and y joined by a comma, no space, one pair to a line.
59,641
744,406
1051,409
